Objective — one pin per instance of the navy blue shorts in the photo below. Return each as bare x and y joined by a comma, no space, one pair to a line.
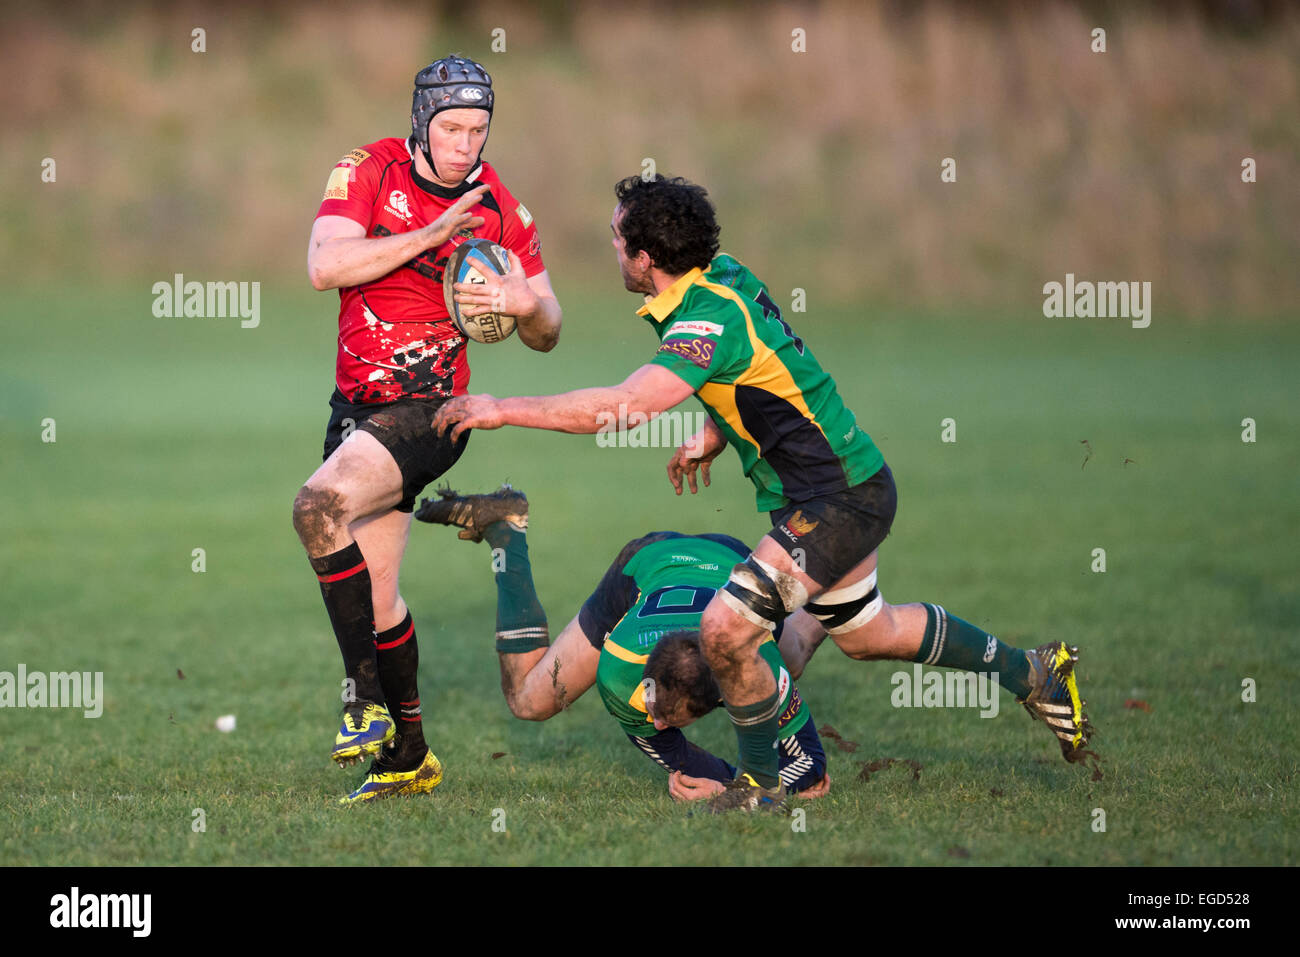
829,535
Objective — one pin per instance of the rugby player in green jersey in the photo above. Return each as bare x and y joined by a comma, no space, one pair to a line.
830,495
636,639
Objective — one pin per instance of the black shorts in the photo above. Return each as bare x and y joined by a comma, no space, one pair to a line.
829,535
405,428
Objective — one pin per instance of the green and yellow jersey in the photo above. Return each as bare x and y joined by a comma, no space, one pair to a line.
659,584
720,331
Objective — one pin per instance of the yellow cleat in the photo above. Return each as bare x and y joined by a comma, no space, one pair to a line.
381,783
1055,697
367,727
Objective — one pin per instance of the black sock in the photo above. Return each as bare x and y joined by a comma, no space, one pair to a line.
345,586
399,660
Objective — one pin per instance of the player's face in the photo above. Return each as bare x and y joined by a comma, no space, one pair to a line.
635,271
456,138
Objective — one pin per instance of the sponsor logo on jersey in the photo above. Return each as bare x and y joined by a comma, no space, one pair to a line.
650,637
792,709
782,685
524,215
698,351
535,245
398,206
694,327
337,185
798,525
355,158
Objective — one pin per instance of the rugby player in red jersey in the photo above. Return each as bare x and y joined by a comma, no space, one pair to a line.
393,212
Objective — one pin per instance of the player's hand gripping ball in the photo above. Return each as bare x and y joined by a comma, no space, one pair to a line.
469,263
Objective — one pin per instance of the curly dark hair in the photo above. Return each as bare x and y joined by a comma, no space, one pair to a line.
671,219
680,673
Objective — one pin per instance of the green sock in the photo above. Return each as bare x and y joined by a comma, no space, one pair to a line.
756,728
521,622
950,642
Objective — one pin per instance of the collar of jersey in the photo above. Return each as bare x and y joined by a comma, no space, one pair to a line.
445,192
662,305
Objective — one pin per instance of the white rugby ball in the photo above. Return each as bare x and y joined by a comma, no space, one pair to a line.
471,260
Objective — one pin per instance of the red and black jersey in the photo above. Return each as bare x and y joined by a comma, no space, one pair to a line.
396,337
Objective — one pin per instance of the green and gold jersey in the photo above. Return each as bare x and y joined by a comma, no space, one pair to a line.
721,332
659,584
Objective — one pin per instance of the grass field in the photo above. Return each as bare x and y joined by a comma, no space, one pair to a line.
180,434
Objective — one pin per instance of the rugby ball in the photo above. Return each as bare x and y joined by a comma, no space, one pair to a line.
470,262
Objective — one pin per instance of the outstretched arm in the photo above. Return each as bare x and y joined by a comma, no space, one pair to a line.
648,391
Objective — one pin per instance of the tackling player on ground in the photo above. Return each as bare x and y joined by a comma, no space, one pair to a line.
830,495
636,639
642,622
393,212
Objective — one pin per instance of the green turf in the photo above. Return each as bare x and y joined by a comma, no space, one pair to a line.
181,434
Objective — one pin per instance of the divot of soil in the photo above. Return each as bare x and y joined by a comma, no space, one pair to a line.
1081,756
871,767
841,742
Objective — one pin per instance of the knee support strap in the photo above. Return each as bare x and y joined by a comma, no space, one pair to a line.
849,608
762,594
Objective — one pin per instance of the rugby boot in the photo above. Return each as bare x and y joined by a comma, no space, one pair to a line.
383,780
367,727
1055,697
474,513
744,794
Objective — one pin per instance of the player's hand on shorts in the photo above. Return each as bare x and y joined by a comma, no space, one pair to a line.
683,787
508,295
818,790
456,217
467,412
696,453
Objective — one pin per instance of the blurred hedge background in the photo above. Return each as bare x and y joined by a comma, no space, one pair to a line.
1117,165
